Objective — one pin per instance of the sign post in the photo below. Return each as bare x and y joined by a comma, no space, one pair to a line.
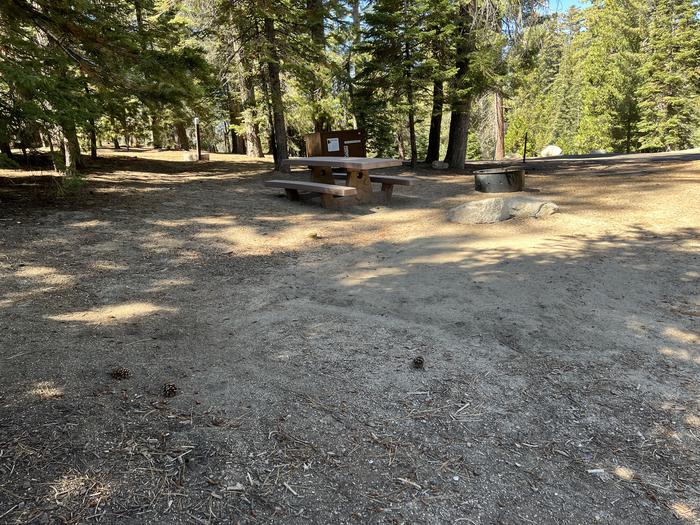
196,131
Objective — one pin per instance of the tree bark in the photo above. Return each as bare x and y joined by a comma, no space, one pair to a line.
435,133
273,71
253,146
5,146
155,128
93,138
459,128
228,147
314,9
401,145
461,97
500,153
411,108
115,141
234,113
315,18
183,141
72,158
357,37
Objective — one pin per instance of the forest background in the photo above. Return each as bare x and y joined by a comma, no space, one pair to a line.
424,80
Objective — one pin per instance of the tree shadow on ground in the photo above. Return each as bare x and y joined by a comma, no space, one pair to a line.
559,380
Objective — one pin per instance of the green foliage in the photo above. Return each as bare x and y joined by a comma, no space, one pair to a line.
69,184
671,76
619,75
610,70
7,163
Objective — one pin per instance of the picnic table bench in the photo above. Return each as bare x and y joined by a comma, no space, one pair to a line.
358,181
328,192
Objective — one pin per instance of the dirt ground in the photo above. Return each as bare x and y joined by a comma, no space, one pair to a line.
561,381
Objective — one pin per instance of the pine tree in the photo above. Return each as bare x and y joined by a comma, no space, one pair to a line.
394,42
671,75
610,72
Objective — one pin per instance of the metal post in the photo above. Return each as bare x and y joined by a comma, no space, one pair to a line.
196,131
525,148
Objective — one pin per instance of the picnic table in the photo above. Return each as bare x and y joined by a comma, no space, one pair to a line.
356,181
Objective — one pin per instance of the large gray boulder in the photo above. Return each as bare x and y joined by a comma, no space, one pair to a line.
439,165
550,151
501,209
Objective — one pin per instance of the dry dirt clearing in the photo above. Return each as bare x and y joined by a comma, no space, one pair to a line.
562,357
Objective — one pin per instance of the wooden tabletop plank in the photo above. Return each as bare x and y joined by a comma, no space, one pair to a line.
351,163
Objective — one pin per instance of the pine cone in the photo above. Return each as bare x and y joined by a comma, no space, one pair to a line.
169,390
121,373
418,362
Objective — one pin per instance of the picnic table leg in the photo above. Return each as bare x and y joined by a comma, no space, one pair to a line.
361,182
387,190
292,195
322,175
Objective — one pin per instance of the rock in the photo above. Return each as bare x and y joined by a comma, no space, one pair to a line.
550,151
439,165
479,212
598,152
530,207
498,209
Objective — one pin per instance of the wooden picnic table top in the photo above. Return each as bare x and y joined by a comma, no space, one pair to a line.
350,163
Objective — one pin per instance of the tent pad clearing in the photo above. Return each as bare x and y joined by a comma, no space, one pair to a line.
562,355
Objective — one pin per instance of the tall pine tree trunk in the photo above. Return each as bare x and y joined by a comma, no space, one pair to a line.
234,113
92,130
5,146
400,144
357,34
459,128
183,141
315,19
253,146
411,107
461,98
156,132
273,71
72,158
93,138
435,123
499,124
